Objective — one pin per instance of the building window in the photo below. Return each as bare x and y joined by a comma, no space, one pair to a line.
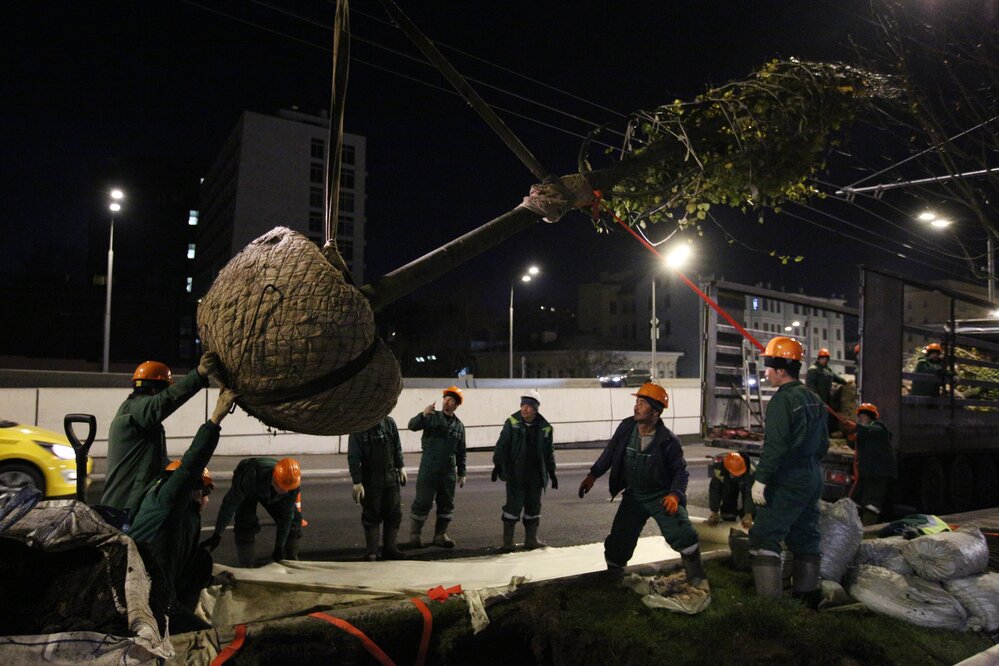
824,336
346,202
347,178
613,330
192,218
318,149
316,198
613,307
345,225
346,248
190,250
190,285
316,173
347,154
839,335
315,221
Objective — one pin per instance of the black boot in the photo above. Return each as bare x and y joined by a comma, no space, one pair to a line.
415,528
531,534
767,576
508,527
370,543
805,580
389,549
440,533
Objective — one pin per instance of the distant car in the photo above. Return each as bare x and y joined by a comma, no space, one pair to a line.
632,377
31,456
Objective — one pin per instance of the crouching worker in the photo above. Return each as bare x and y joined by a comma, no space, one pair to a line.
274,484
730,490
377,470
646,462
169,520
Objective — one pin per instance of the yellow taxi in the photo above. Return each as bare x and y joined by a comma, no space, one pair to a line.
32,456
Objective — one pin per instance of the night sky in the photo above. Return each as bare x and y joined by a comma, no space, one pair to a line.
92,86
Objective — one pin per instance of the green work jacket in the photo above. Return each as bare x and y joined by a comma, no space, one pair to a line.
928,386
167,519
252,479
443,442
512,449
360,451
795,436
821,379
137,442
875,455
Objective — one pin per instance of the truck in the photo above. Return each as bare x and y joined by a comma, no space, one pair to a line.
947,445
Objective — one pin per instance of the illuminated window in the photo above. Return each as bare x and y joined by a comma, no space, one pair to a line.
192,218
190,251
190,284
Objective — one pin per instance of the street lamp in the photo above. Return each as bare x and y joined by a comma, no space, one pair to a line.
674,259
526,277
114,207
942,223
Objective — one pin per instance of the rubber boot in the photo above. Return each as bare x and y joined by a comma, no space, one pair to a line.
767,576
508,527
291,548
370,543
440,534
244,555
694,568
805,580
531,534
389,550
415,527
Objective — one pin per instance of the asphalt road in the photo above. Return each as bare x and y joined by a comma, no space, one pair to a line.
335,533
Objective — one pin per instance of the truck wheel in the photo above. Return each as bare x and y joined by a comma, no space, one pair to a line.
933,487
986,482
962,484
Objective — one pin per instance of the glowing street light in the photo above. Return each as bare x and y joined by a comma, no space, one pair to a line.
115,207
526,277
678,255
938,222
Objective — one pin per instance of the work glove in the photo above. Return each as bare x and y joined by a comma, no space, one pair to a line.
278,553
747,521
496,472
587,484
554,480
401,472
758,498
358,492
461,482
209,364
670,504
211,543
714,518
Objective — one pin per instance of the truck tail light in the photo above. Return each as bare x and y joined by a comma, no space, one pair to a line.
838,478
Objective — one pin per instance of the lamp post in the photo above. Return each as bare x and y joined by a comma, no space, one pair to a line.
938,222
526,277
114,207
674,259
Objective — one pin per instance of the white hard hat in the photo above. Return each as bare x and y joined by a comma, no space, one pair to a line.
532,395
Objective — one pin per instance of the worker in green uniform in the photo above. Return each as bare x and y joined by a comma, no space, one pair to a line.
820,378
874,464
273,484
136,440
524,457
931,365
441,467
788,484
169,520
377,471
646,461
730,490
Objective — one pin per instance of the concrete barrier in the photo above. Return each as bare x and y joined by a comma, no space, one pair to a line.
577,414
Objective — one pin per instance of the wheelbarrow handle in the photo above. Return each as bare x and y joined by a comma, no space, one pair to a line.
80,448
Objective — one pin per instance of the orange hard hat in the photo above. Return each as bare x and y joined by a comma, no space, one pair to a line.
206,476
653,391
784,347
823,352
933,346
152,371
287,474
455,392
735,464
869,407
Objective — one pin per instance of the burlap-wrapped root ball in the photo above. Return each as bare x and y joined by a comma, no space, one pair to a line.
297,342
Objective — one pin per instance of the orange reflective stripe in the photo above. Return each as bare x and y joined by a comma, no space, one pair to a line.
366,642
232,648
428,625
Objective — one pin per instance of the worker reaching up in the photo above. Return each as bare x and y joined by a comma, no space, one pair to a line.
275,485
168,518
136,438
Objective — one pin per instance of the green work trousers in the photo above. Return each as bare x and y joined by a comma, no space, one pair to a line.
434,486
791,513
630,520
522,497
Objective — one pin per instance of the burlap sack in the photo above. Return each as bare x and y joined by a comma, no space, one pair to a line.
297,342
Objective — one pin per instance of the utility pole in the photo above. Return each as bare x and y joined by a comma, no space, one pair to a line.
654,327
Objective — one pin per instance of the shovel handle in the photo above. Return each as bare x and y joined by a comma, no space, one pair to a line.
81,448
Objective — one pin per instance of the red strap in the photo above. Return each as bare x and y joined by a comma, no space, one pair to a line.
366,642
440,594
428,625
232,648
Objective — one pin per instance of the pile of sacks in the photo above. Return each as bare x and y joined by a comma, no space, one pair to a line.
936,580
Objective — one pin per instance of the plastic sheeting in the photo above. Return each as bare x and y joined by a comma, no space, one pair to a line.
885,553
841,533
948,555
61,525
980,597
907,598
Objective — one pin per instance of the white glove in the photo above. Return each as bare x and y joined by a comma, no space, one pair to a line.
401,472
358,492
461,482
758,497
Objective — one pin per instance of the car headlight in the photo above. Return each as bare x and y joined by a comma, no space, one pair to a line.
59,450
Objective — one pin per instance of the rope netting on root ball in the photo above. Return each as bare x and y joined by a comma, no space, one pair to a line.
297,341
